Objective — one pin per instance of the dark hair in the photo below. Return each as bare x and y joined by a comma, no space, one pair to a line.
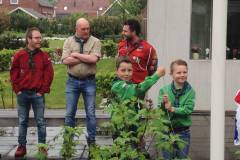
122,59
29,33
134,25
178,62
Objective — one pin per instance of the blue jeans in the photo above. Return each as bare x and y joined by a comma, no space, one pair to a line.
179,153
74,88
25,100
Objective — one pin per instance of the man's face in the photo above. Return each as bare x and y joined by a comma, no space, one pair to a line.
83,30
124,71
34,42
127,33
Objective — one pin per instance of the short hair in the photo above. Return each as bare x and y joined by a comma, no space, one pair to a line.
122,59
134,25
80,20
178,62
29,33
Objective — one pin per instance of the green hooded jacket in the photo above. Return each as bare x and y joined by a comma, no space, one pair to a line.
182,115
127,90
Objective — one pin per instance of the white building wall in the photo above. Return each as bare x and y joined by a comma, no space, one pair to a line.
169,31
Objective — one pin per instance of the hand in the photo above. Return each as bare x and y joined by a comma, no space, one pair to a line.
71,61
38,94
167,103
19,93
160,71
74,55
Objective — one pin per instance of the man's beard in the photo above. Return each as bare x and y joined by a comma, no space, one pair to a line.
128,38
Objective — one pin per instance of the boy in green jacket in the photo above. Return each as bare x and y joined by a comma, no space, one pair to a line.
122,85
124,89
178,100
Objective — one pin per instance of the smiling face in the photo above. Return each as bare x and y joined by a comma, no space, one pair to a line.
124,71
179,74
127,33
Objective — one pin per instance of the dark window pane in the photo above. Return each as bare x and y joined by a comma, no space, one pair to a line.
201,29
233,30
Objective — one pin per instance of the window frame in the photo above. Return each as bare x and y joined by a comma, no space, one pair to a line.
209,57
233,40
11,2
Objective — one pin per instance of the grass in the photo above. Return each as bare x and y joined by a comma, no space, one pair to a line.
55,43
56,98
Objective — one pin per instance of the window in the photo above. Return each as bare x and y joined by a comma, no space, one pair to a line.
233,30
0,1
201,29
13,1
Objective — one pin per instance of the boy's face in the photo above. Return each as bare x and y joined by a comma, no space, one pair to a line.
179,74
124,71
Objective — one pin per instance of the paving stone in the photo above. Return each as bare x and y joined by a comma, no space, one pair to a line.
199,148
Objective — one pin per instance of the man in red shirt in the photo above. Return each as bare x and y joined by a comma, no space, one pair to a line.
142,54
31,76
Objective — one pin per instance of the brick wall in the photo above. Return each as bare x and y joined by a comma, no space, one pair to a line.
27,4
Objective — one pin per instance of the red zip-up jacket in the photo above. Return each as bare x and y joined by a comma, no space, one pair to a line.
141,55
24,78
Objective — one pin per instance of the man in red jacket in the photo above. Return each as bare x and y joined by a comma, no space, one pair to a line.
142,54
31,76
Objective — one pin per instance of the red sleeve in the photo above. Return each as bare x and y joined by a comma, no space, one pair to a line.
237,98
153,61
15,73
121,50
47,75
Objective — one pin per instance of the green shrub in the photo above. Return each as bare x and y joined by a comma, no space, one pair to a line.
55,57
21,21
104,84
45,43
68,149
109,48
147,121
105,25
6,54
10,40
5,59
4,21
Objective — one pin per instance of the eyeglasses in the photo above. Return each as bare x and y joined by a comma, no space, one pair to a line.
36,37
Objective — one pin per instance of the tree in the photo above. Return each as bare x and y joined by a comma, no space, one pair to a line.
134,7
4,21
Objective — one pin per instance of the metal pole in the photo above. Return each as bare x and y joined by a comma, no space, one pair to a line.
219,28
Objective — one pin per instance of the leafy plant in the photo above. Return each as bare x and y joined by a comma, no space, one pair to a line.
21,21
2,131
130,121
104,84
68,148
109,48
10,40
134,6
41,149
4,20
7,54
105,25
2,90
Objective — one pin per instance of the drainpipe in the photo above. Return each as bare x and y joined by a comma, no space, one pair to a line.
219,31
